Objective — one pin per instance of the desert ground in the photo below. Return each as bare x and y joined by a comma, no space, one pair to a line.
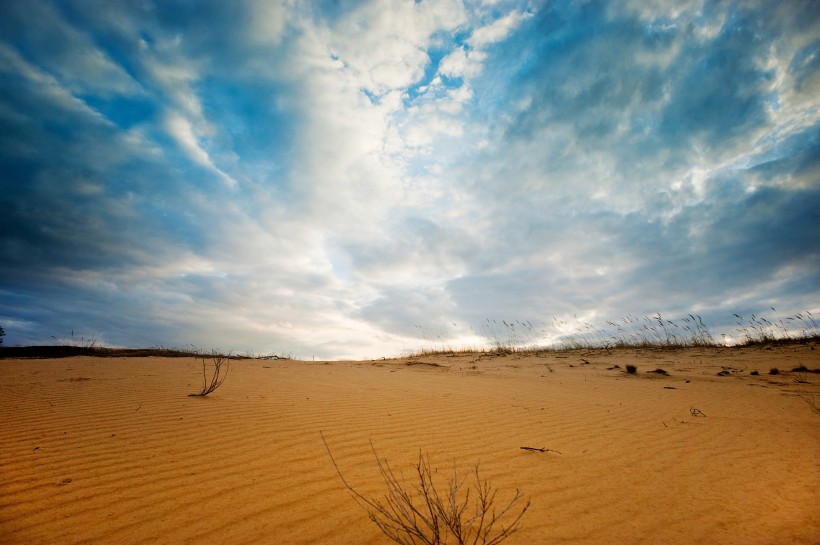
113,450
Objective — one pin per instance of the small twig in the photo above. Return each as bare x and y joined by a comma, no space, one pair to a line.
535,449
138,408
696,412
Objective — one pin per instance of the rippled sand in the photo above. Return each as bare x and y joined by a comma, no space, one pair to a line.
112,450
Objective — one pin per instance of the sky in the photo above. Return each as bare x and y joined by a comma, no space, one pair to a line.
360,179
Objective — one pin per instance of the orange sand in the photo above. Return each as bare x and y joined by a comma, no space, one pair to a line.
109,450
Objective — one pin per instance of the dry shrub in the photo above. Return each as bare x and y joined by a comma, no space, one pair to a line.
462,513
220,372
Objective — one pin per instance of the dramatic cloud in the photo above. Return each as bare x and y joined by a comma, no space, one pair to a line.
355,179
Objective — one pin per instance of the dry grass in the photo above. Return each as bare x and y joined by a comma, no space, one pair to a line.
650,332
812,403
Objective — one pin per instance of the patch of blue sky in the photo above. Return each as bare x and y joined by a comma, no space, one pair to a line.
124,111
444,43
248,114
106,37
333,10
532,59
421,87
371,96
174,218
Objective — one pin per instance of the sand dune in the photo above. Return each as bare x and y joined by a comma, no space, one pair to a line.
112,450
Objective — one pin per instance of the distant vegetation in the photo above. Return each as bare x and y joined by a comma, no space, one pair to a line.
514,336
67,351
62,351
629,332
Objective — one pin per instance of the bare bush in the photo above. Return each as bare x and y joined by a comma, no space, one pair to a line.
460,514
221,366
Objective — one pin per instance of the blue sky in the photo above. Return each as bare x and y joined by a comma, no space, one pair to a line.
354,179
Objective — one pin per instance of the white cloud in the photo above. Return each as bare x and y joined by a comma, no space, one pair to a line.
496,31
267,21
467,62
347,146
653,10
461,63
182,131
383,193
384,44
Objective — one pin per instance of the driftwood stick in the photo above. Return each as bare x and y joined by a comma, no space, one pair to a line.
534,449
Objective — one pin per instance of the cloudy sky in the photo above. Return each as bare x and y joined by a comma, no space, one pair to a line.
360,178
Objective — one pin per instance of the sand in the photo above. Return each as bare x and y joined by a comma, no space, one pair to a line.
112,450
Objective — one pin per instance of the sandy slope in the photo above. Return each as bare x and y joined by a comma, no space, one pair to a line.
107,450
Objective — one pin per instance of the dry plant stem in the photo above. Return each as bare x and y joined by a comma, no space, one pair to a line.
220,372
812,404
535,449
422,515
800,378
